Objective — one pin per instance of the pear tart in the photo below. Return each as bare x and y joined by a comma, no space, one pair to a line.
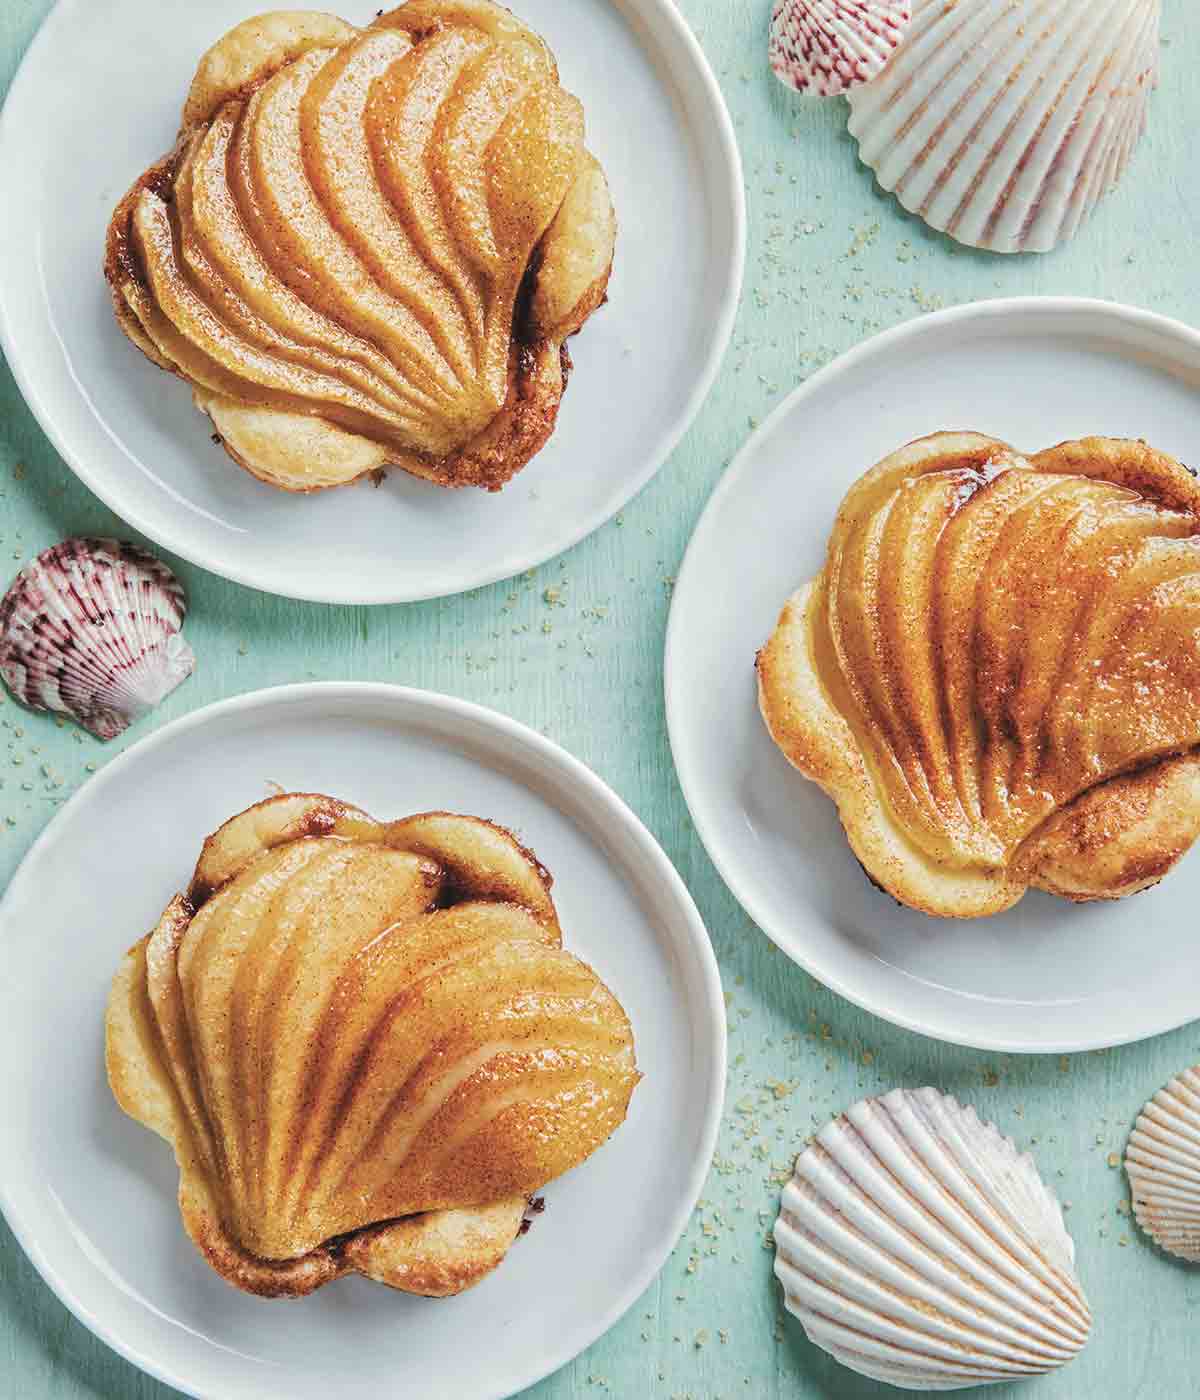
369,246
996,676
366,1045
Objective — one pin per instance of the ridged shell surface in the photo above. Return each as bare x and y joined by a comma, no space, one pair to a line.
335,254
995,674
1003,122
1162,1162
919,1247
91,629
826,47
347,1022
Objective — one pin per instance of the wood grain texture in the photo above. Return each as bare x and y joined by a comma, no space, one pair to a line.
575,649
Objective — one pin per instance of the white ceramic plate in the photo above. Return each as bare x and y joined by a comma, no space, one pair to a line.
97,99
91,1195
1047,975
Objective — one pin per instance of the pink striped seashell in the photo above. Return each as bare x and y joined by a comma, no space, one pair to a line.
91,629
826,47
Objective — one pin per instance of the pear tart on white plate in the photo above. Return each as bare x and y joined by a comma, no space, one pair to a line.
996,676
366,1045
369,246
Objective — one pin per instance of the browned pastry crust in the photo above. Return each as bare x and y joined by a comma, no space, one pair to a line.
366,1045
996,676
414,315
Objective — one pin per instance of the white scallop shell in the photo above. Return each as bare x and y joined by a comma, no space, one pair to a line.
1162,1162
90,628
919,1247
1003,122
826,47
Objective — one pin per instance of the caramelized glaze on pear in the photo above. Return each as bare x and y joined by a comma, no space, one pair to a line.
996,676
366,1045
368,247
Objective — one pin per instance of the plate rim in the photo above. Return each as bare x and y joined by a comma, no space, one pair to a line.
721,142
1120,315
709,1015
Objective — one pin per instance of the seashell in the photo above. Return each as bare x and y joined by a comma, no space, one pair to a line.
826,47
366,1044
1162,1162
1003,122
91,629
994,676
369,245
919,1247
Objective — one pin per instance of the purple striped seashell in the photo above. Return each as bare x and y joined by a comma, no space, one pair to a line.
91,629
826,47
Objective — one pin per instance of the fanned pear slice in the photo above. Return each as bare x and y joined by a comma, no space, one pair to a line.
400,125
366,1044
309,254
220,199
253,364
379,241
340,168
995,675
213,271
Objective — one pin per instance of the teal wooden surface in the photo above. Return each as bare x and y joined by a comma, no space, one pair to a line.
575,649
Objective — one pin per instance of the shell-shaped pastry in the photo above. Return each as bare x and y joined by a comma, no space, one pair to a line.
995,674
91,629
826,47
919,1247
1162,1161
369,245
1003,122
366,1045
